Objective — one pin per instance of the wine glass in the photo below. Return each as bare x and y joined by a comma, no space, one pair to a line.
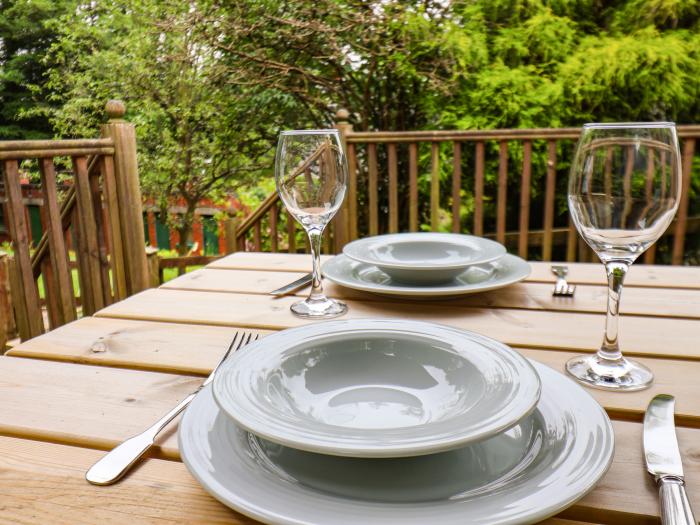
311,174
624,190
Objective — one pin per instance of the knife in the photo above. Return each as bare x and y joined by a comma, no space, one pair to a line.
663,461
293,287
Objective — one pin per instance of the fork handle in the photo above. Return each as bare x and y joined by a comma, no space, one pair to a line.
117,462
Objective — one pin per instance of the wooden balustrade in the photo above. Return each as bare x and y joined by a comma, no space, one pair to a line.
99,216
398,180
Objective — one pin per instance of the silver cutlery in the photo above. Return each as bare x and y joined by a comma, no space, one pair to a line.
562,287
113,465
663,459
293,287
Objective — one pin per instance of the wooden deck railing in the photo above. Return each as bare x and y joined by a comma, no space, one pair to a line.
99,216
507,184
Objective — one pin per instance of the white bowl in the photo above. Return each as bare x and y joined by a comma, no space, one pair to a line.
376,388
424,258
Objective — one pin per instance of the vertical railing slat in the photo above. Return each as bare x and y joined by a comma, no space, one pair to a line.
87,239
550,189
373,189
456,186
116,259
502,192
102,251
650,254
413,187
525,199
479,189
393,189
352,190
291,234
30,320
257,234
60,273
273,227
682,215
571,241
434,186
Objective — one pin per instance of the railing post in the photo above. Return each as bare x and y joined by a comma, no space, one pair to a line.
153,266
341,222
230,234
128,196
7,318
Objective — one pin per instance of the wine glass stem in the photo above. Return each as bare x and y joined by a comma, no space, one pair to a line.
610,349
315,237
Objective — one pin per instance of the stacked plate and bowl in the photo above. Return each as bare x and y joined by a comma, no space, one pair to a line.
379,421
425,265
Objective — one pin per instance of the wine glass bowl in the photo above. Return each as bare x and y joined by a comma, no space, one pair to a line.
311,178
624,190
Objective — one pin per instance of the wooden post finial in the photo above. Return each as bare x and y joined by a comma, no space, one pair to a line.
342,115
115,109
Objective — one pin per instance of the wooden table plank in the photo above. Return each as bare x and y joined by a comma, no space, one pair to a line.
169,347
644,275
535,296
90,406
529,328
44,483
161,347
99,407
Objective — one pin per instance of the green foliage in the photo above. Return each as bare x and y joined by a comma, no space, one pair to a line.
24,41
209,84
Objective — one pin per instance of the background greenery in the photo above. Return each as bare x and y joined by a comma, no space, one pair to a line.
209,83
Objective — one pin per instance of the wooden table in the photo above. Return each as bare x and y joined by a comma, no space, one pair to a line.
70,394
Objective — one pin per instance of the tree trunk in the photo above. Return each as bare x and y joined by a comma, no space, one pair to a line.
185,228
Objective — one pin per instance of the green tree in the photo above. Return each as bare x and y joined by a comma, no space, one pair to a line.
195,137
25,37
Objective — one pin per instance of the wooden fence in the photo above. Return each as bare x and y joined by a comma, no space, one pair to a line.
496,181
99,215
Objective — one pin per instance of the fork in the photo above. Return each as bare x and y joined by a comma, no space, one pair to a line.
562,287
117,462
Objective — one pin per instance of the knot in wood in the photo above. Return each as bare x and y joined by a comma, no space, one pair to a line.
115,109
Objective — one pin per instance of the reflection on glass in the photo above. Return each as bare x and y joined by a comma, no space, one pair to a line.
311,174
624,190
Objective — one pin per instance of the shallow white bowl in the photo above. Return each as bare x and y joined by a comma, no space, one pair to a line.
507,270
424,258
532,471
376,388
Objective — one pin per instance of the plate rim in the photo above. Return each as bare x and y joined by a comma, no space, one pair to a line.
426,291
529,386
405,237
234,500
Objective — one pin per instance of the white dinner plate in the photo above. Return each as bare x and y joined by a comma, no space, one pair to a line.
424,258
533,471
346,272
376,387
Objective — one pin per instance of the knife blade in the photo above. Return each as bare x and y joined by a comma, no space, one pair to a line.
293,287
663,460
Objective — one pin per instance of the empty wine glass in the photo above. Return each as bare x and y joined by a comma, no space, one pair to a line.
311,174
624,190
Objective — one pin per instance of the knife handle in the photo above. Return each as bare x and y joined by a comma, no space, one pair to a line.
675,507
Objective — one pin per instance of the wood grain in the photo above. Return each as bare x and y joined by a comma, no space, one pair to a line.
190,349
44,483
642,275
532,328
161,347
532,296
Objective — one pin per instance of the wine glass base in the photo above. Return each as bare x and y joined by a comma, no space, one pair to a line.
620,375
323,308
